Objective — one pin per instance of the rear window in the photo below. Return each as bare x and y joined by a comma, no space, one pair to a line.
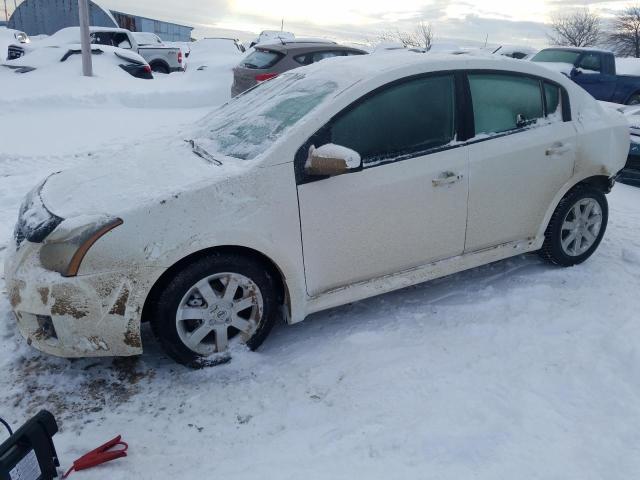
261,59
556,56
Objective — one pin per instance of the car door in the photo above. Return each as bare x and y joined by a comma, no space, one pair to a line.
523,154
592,74
406,206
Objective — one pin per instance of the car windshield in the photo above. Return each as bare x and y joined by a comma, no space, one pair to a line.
249,124
556,56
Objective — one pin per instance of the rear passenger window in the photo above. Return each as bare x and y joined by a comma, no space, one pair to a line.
313,57
552,96
411,117
504,102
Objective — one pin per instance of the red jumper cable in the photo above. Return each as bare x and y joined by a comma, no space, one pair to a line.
99,456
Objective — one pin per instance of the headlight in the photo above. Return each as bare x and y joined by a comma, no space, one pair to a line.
65,248
35,222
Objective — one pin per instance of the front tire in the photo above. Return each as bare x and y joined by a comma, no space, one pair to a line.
576,227
217,300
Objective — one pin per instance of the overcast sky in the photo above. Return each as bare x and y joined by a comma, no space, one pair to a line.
517,21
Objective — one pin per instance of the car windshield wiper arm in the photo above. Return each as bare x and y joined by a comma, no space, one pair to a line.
202,153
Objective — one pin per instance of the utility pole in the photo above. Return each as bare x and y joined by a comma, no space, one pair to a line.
281,24
6,12
83,11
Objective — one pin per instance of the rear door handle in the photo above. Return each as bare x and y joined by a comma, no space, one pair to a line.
558,149
447,178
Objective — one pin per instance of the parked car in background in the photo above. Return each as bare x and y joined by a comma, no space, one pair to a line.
268,61
327,185
272,36
595,71
215,53
10,37
105,59
162,59
518,52
631,172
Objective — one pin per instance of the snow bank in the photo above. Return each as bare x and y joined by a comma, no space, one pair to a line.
57,84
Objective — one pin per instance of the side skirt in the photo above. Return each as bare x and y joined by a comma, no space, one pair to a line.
416,275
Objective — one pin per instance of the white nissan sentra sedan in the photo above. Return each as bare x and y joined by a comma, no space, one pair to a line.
329,184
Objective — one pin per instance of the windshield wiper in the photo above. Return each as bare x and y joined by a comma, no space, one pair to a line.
250,65
202,153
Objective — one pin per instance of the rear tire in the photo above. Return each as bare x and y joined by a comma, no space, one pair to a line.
218,299
576,227
634,99
159,68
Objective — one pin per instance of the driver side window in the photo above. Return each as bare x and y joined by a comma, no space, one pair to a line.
407,118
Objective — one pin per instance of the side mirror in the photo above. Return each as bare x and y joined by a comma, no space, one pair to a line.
574,72
330,160
125,45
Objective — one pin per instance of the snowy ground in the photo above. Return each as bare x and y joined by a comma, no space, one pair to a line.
512,370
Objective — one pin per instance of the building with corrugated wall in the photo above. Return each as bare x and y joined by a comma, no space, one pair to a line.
37,17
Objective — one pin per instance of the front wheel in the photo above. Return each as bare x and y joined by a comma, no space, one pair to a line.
212,302
576,227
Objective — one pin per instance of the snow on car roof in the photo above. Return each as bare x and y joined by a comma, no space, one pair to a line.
346,70
580,49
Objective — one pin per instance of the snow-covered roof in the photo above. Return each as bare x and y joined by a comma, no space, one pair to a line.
348,69
580,49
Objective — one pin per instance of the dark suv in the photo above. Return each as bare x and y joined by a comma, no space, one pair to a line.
268,61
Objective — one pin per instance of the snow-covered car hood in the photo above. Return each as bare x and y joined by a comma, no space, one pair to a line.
133,179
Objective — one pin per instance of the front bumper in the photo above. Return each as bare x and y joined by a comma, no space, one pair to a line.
85,316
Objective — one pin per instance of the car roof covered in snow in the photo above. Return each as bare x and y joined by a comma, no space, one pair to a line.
580,49
347,70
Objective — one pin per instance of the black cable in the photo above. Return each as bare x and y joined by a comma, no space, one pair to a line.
7,426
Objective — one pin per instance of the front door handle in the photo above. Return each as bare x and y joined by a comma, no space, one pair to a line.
447,178
558,149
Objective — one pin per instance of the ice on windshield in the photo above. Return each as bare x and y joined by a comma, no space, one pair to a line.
249,124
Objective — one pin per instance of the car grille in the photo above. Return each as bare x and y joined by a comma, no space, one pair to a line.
15,52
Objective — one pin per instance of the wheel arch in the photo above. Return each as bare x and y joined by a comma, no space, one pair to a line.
160,62
284,297
630,96
601,182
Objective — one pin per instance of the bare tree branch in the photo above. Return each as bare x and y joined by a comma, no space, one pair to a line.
579,29
624,37
420,37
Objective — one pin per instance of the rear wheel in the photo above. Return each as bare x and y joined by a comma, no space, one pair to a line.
576,227
212,303
634,99
159,68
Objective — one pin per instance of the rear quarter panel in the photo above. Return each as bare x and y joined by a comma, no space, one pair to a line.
626,86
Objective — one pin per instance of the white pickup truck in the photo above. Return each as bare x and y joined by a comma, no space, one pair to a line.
161,58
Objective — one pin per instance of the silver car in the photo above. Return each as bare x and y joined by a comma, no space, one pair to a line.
268,61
